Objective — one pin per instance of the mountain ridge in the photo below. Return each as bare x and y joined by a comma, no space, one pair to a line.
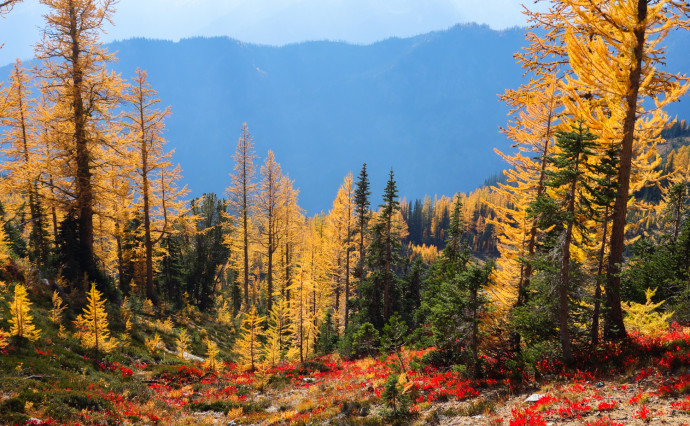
426,106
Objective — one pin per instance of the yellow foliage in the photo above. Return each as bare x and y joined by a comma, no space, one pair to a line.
22,322
126,310
147,307
3,338
248,346
212,351
92,324
182,343
62,332
124,337
429,253
643,319
79,327
154,344
4,247
224,315
164,326
58,308
235,413
277,334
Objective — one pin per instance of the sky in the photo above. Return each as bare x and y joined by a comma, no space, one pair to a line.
273,22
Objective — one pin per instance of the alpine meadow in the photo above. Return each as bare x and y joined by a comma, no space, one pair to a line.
556,292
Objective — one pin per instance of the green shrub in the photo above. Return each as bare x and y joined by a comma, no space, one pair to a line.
359,341
433,358
397,403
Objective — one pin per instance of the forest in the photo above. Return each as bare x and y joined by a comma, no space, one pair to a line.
123,301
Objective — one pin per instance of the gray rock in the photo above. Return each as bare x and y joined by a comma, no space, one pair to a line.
535,397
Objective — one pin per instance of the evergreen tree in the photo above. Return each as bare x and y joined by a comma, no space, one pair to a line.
207,253
676,205
171,275
328,335
568,206
362,215
414,282
454,299
604,193
381,291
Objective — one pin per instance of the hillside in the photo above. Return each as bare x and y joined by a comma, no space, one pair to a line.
56,380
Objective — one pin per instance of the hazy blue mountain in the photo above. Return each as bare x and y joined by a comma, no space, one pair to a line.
427,106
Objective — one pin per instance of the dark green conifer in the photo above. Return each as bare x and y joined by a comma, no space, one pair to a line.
381,291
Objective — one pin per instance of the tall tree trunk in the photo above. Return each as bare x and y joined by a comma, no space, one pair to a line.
83,182
120,259
597,285
387,275
564,332
148,243
347,276
245,249
288,273
614,328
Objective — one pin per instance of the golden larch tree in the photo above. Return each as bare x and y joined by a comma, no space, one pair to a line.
94,321
290,226
341,223
248,347
211,363
618,56
58,309
277,334
267,211
534,108
182,343
48,133
156,201
21,168
241,195
316,252
6,6
21,322
302,321
85,93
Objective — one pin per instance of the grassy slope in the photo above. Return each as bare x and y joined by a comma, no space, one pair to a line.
56,381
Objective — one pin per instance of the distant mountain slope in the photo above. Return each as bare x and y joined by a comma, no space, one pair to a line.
427,106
